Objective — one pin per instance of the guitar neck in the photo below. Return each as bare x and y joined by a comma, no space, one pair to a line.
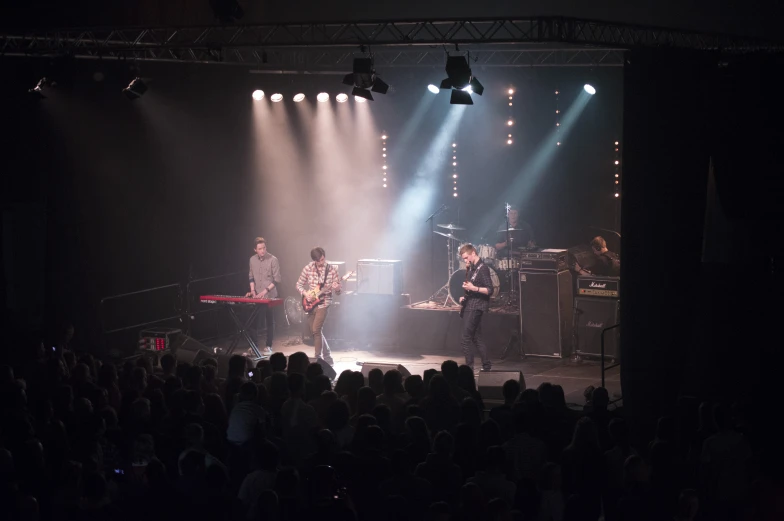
326,288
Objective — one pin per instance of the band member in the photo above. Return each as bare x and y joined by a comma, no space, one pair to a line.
264,277
314,274
478,287
606,264
521,233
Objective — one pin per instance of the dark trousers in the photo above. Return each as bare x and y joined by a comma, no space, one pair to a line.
265,317
472,338
316,321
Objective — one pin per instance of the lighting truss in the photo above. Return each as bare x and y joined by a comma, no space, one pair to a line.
405,43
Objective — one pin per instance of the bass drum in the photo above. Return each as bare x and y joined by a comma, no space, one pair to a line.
456,284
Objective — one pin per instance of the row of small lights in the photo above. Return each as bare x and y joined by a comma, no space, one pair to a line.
454,169
557,118
510,121
322,97
384,171
617,184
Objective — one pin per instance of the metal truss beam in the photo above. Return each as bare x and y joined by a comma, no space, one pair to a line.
571,42
337,59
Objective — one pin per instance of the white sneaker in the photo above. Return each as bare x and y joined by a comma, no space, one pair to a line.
266,351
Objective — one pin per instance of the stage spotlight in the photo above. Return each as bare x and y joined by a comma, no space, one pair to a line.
38,91
322,97
508,141
258,95
461,81
359,100
432,88
298,97
589,89
135,89
342,97
363,78
276,97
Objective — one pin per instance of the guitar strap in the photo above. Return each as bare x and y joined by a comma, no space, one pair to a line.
326,270
476,270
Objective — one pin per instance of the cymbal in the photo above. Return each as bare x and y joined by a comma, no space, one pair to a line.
450,226
504,230
449,236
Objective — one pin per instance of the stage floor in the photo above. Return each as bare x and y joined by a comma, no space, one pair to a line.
574,377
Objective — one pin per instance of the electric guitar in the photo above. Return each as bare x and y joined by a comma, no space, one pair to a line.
314,297
465,298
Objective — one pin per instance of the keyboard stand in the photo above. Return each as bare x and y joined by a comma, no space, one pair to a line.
243,330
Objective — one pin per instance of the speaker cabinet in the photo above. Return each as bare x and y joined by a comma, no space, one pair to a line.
379,277
191,351
186,349
367,367
591,316
490,384
546,312
328,369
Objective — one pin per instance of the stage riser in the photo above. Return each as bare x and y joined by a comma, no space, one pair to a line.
428,331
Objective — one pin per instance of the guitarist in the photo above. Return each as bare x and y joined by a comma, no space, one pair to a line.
476,302
319,274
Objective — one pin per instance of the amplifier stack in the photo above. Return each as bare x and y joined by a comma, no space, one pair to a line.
596,308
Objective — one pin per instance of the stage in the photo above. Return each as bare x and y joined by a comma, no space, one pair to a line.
427,337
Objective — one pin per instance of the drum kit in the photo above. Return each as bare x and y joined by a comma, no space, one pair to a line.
451,292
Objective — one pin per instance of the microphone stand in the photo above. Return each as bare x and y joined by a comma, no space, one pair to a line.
442,208
510,300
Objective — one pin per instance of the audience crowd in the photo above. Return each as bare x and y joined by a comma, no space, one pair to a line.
91,440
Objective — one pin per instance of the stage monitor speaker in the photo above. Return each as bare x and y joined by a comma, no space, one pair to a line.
379,277
191,351
328,369
491,384
369,366
591,316
546,312
188,350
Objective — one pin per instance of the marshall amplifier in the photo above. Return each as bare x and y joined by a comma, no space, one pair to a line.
591,316
591,286
545,260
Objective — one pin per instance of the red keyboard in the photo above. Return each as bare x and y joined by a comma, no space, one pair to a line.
233,299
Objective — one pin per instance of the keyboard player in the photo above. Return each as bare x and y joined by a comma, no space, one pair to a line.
264,278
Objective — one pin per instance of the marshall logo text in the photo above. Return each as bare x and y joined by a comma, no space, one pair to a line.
597,285
594,324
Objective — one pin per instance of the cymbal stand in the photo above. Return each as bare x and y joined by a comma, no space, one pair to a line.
443,291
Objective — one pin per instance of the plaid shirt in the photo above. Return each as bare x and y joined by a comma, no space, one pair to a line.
312,276
480,277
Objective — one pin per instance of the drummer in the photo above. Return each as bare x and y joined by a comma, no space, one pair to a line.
520,232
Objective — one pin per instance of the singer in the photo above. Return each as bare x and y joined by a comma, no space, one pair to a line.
478,287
